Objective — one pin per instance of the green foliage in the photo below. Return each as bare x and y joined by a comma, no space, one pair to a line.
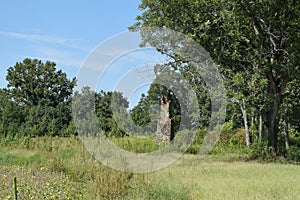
169,83
197,141
109,107
36,101
140,114
255,43
227,127
135,144
293,153
260,151
11,116
194,149
146,112
33,83
230,141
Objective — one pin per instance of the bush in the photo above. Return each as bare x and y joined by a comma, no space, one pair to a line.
136,144
293,153
260,150
193,149
227,127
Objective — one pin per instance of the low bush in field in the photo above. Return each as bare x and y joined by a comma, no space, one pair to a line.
293,153
136,144
230,140
260,151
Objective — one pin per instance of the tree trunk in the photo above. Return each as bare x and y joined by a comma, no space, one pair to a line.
271,122
244,113
252,126
286,127
260,126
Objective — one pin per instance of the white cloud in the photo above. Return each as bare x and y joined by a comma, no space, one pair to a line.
68,42
33,37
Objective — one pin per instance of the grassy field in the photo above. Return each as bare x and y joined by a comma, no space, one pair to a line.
61,168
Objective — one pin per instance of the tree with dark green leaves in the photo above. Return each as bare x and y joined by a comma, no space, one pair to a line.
290,115
11,116
111,109
43,94
259,38
140,114
101,112
33,83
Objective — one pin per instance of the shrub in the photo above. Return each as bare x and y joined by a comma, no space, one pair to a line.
293,153
136,144
227,127
260,150
193,149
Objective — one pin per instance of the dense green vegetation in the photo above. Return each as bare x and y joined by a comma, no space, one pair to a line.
36,101
256,46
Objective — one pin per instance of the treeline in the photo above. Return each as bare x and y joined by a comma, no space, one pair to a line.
256,46
37,102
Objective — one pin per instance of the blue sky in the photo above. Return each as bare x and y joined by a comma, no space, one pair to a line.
61,31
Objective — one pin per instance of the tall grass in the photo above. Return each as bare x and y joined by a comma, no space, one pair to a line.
136,144
61,168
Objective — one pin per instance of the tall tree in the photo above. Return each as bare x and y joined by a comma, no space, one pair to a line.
43,94
33,82
140,114
258,37
111,112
